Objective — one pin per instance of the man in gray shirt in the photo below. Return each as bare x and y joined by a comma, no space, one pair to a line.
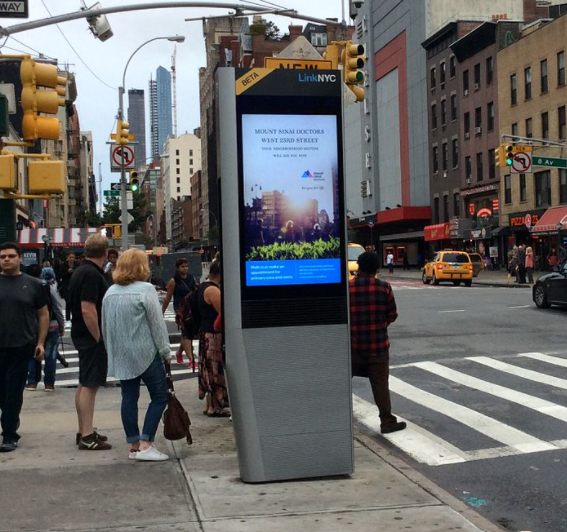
23,328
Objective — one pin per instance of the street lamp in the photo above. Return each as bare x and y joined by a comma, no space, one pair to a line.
213,214
124,214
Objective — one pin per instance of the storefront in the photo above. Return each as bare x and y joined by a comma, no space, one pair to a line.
438,236
550,233
520,224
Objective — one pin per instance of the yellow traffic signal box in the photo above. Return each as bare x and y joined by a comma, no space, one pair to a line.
122,132
134,181
353,61
46,177
332,54
8,179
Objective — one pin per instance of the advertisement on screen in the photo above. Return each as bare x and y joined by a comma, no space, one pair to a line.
290,167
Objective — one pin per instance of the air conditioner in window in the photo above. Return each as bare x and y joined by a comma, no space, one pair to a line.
468,180
477,130
476,86
444,174
466,92
467,136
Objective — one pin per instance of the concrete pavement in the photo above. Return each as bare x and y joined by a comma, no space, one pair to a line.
48,485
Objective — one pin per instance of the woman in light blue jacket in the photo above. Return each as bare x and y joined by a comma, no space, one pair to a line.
137,343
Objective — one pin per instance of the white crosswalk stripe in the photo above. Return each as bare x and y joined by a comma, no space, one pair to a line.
427,447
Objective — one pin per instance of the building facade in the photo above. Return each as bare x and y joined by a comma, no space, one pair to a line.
161,112
137,121
181,223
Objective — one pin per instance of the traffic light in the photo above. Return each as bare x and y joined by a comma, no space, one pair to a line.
134,181
47,177
509,155
353,61
8,180
332,54
122,132
500,156
106,230
117,230
43,92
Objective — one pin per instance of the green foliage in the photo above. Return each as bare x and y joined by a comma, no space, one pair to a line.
320,249
267,28
140,212
93,219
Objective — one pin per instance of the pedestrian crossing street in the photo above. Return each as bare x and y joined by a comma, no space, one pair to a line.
476,408
169,316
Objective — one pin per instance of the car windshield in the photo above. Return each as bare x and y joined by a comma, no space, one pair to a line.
354,253
455,257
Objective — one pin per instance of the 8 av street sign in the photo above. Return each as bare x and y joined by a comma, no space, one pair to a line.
550,161
14,9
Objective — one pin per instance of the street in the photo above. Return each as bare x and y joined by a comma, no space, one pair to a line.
480,374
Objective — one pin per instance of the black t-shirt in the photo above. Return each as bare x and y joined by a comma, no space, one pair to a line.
87,284
21,296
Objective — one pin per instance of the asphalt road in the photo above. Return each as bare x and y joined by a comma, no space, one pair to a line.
480,375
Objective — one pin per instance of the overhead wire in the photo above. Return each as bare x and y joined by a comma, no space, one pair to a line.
77,53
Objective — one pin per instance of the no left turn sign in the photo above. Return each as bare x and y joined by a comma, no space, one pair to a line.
122,157
522,162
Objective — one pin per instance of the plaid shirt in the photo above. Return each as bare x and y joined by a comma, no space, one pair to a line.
372,309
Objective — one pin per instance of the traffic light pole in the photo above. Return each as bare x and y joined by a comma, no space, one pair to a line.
123,184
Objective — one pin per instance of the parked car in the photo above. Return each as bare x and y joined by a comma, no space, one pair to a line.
551,289
455,266
477,263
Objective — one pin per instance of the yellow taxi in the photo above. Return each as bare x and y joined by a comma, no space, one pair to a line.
353,252
455,266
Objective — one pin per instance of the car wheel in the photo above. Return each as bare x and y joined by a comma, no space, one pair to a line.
435,280
540,298
456,283
424,278
468,282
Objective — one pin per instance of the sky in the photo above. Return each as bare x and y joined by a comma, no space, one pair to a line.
97,103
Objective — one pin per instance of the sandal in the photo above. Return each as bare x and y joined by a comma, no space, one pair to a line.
219,413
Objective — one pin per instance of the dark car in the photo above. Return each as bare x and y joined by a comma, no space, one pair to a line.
551,289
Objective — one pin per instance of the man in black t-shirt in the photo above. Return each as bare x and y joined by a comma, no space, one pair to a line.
23,328
87,289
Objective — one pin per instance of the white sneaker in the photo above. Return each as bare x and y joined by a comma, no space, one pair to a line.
151,455
132,455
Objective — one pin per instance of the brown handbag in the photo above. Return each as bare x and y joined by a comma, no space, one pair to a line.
176,422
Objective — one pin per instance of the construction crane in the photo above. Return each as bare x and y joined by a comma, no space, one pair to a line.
174,79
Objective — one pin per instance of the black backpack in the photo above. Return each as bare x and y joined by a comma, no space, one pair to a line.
189,315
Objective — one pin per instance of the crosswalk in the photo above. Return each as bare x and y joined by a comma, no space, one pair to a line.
476,408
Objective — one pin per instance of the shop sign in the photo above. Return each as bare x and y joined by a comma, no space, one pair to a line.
493,252
478,234
524,219
437,232
479,190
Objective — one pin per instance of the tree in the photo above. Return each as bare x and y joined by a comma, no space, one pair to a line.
267,28
140,212
213,235
93,219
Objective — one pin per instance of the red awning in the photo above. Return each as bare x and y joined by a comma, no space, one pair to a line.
548,223
74,237
437,232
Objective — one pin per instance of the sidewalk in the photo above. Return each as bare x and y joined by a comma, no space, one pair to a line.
48,485
485,277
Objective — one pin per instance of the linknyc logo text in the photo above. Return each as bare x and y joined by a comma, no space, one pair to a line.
317,78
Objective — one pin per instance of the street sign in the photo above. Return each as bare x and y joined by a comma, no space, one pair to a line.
129,200
121,157
298,64
115,186
129,219
14,9
550,161
522,163
112,193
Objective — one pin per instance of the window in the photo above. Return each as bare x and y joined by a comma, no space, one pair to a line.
444,156
543,188
453,107
435,157
176,152
190,153
442,73
191,171
561,69
528,83
436,209
434,116
478,119
489,70
319,39
529,131
177,171
479,167
477,76
445,208
452,66
491,164
191,162
562,185
515,129
178,191
178,180
544,125
433,77
443,112
490,114
177,162
455,152
561,121
468,169
508,189
456,204
466,82
513,90
523,189
544,81
467,125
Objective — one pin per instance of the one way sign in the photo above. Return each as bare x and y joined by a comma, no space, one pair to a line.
14,9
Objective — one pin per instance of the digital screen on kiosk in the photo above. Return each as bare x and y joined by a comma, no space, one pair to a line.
291,205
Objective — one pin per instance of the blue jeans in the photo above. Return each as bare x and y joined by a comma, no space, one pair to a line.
154,379
51,345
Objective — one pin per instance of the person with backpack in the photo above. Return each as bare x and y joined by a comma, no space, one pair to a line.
212,383
55,331
179,287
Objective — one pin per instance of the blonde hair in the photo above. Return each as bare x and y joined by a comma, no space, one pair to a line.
96,246
132,266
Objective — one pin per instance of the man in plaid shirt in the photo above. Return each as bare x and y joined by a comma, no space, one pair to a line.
372,309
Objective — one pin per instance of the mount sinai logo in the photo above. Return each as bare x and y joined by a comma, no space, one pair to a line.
307,174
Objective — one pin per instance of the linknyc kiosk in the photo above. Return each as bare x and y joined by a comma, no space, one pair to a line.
285,288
